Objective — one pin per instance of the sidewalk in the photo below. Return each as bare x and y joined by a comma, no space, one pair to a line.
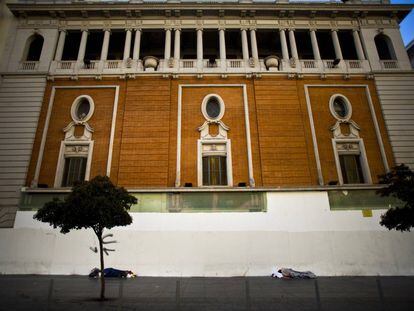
238,293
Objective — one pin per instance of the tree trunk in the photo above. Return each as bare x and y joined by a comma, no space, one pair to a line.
102,296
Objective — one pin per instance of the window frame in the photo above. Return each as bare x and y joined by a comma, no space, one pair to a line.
347,103
362,157
204,107
76,104
226,153
62,156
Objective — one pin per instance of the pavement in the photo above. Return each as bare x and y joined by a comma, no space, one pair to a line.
30,292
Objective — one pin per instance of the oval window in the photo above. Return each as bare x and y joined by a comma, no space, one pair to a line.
340,107
83,109
213,108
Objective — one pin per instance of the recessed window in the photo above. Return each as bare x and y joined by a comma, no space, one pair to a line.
75,168
351,169
340,107
212,107
82,108
214,171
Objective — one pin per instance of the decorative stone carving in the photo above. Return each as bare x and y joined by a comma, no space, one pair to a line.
150,63
271,61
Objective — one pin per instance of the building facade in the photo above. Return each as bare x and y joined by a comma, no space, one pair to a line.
234,123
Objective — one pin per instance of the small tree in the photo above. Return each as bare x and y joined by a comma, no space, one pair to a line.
400,182
95,204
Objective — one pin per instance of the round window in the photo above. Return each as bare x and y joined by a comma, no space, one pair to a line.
340,107
82,108
213,108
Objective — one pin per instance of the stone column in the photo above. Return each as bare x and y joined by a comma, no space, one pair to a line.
60,45
253,42
337,46
177,45
167,48
200,48
245,45
105,44
137,44
127,46
283,43
222,40
82,46
358,45
292,42
315,47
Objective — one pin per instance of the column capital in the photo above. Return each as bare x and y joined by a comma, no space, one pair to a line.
168,28
334,30
244,28
221,28
177,29
282,29
106,29
84,29
62,30
128,29
313,29
199,28
291,29
252,28
138,29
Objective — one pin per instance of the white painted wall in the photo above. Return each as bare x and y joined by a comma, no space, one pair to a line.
20,102
396,95
298,231
368,35
22,34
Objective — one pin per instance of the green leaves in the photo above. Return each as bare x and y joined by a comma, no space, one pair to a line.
95,204
401,186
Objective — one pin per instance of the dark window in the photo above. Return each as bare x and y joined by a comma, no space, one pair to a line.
268,43
94,45
304,44
214,171
346,40
152,43
213,108
351,169
325,43
211,46
83,109
75,168
233,44
71,47
384,47
116,45
340,107
188,44
35,48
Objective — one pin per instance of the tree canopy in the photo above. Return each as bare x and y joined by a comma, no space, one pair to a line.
95,204
400,181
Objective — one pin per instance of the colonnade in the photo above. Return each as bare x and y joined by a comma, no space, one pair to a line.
286,56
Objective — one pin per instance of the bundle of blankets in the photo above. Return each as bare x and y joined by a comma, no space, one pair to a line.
112,273
288,273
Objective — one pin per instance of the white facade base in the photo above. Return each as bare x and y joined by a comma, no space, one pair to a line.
297,231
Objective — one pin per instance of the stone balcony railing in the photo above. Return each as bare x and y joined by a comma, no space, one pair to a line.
210,66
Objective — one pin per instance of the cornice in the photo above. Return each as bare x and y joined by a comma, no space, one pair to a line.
116,10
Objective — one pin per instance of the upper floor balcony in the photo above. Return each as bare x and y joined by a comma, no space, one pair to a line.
207,50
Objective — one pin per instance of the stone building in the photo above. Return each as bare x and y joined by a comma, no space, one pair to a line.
251,132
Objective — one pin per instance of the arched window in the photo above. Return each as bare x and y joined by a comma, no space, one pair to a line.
384,47
34,47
